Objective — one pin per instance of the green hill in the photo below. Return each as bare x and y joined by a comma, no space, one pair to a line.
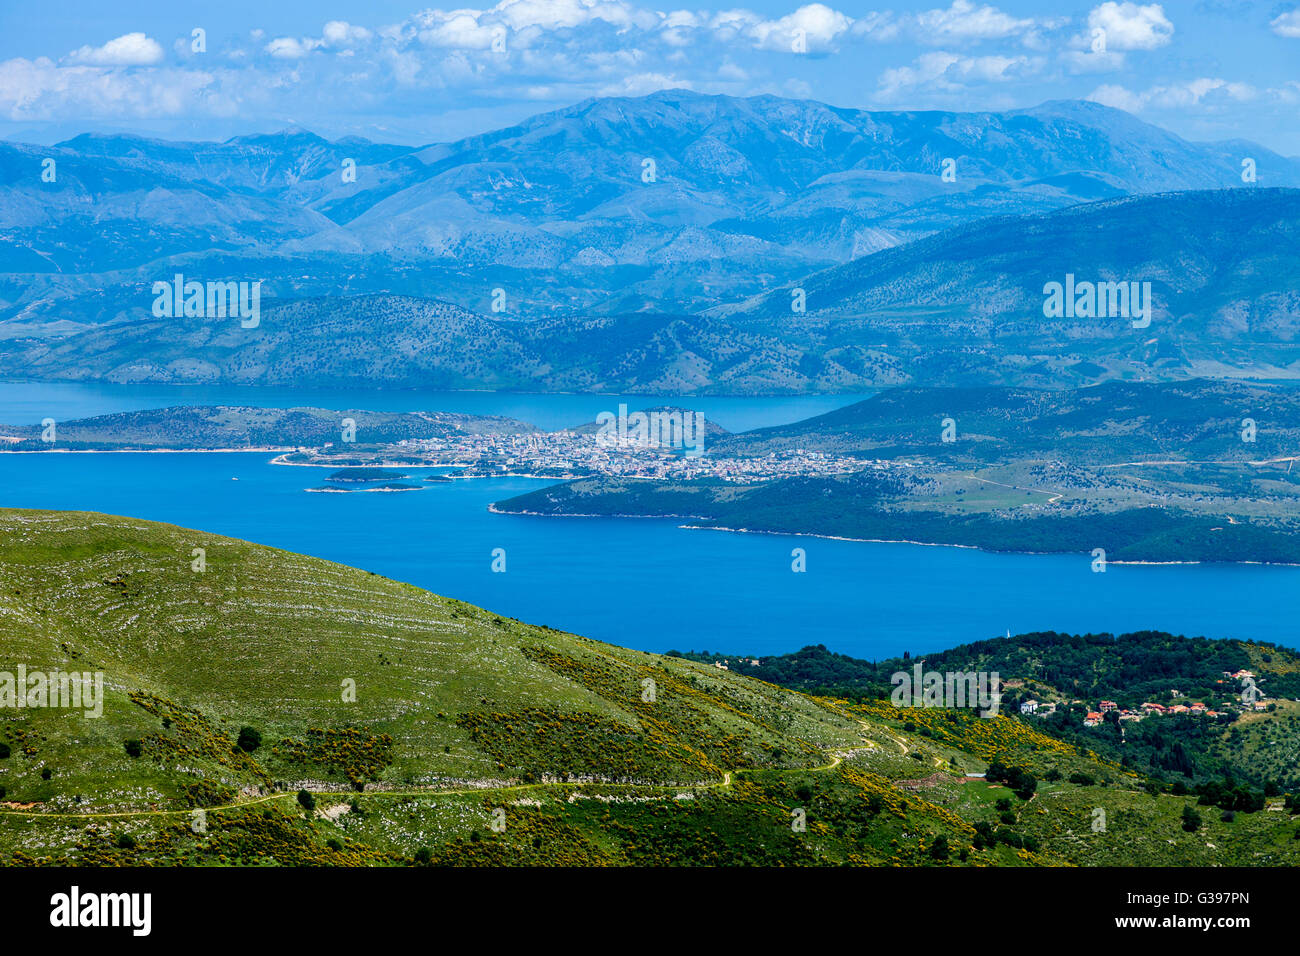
265,707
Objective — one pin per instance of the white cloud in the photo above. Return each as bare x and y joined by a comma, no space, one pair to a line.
641,84
951,71
1128,26
1118,97
810,28
130,49
964,22
342,33
1086,61
40,89
1202,92
287,48
1287,24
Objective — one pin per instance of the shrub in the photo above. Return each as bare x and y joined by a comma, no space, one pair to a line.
249,739
133,748
423,856
1191,820
5,751
306,801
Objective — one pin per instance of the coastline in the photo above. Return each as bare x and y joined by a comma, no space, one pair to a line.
924,544
145,451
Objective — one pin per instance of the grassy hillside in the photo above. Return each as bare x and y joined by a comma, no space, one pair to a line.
470,738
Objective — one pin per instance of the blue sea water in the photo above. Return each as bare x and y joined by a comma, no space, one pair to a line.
26,403
650,584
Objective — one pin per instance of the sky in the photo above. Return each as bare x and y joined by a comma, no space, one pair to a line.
396,72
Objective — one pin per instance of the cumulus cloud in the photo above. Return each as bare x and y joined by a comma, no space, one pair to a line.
952,71
1090,61
287,48
810,28
1205,91
41,89
964,22
341,33
1287,24
130,49
1129,26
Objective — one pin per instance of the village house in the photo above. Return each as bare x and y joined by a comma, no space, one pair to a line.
1029,707
1107,705
1092,720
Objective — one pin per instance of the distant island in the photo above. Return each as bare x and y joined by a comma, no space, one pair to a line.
357,475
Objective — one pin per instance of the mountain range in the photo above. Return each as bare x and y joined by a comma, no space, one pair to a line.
921,242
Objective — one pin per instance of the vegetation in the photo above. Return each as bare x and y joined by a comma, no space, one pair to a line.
393,727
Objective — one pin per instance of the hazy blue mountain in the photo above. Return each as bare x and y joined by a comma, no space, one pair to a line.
816,181
1224,269
960,308
746,194
560,213
396,341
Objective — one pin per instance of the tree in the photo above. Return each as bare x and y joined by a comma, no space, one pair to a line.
1191,820
423,856
249,739
133,748
306,801
939,849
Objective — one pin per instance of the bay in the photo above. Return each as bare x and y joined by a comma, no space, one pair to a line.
27,403
651,584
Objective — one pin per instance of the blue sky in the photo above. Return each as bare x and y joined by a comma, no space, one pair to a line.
1207,69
